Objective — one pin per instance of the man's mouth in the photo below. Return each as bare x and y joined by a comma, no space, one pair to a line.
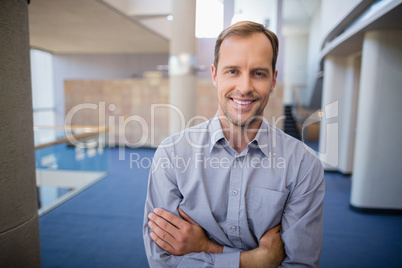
242,102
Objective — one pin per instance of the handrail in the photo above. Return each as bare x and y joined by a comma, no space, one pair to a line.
301,113
347,20
356,31
87,132
71,127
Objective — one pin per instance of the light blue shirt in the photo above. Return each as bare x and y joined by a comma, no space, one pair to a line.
235,197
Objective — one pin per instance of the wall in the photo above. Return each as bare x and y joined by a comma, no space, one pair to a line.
266,11
96,66
295,60
117,66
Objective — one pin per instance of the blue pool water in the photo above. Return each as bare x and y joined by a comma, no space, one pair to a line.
66,157
62,159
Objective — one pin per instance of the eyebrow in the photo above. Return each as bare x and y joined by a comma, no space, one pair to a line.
263,69
230,67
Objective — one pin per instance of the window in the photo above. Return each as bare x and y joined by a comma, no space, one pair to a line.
43,102
209,18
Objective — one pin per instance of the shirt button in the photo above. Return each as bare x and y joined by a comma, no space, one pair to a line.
235,192
233,228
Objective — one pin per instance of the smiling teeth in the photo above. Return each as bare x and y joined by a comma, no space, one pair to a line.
242,102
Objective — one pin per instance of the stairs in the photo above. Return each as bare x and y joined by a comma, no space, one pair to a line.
290,123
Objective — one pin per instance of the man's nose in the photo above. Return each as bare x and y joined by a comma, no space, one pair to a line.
244,85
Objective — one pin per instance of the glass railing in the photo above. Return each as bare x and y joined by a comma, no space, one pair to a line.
68,160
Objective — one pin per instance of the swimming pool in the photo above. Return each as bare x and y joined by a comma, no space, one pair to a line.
64,170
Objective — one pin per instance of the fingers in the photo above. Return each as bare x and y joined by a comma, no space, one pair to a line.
166,227
167,233
271,234
276,229
170,217
161,243
160,232
273,245
161,226
186,217
179,236
163,233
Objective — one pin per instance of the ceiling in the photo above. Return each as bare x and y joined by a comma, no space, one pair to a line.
120,26
89,26
299,11
297,14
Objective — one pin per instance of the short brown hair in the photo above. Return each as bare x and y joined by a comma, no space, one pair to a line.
245,29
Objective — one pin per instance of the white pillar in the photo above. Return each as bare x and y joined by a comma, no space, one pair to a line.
329,136
348,103
377,176
339,106
182,64
19,228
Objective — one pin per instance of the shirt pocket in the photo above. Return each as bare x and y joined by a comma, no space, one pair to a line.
264,209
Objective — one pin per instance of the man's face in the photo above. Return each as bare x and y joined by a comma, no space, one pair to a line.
244,78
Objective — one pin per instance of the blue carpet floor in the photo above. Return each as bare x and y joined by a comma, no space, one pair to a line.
102,226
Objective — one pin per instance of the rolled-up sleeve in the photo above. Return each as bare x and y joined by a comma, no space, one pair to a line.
302,221
164,193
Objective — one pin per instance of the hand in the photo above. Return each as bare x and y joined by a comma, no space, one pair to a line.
178,236
271,243
270,251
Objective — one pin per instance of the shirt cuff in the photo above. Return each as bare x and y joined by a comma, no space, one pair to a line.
231,259
230,250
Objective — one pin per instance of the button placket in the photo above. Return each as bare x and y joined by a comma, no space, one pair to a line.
233,216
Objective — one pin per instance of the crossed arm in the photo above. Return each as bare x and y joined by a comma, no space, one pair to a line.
180,242
183,236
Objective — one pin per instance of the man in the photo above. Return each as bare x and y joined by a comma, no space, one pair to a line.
235,191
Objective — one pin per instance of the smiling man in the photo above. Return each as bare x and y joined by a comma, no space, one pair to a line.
250,195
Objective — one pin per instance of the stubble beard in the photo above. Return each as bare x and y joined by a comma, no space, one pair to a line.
237,120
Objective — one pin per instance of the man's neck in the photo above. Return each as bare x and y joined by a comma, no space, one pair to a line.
239,136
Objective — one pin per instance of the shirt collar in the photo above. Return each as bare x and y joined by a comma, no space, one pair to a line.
260,141
216,132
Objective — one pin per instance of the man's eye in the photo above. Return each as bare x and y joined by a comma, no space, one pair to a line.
232,71
259,74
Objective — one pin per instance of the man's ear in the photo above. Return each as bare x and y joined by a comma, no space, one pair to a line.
274,81
213,74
